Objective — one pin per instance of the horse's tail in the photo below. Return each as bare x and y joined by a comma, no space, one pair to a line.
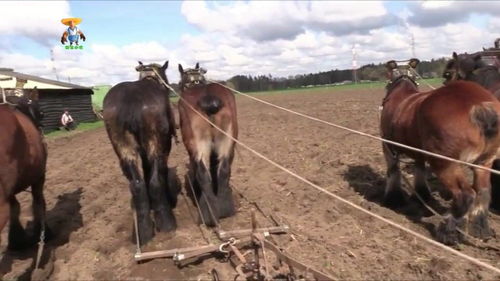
486,118
210,104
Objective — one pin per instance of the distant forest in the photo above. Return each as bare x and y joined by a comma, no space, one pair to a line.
369,72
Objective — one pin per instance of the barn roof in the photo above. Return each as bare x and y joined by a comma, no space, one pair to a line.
11,72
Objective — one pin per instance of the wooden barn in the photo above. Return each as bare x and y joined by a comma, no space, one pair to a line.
55,97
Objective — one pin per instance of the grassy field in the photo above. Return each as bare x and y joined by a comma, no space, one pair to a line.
99,94
82,127
435,82
100,91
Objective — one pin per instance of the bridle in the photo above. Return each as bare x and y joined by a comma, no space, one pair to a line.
150,71
394,82
195,78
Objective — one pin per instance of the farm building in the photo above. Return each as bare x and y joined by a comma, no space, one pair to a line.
55,97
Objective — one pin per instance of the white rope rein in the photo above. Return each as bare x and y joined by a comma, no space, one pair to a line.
319,188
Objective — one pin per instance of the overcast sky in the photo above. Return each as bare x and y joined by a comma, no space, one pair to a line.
229,38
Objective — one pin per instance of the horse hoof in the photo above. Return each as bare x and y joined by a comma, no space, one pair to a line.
447,231
479,227
165,221
226,208
146,232
395,199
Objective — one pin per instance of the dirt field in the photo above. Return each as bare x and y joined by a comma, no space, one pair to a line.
89,208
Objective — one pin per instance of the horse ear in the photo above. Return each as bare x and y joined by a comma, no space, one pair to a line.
391,64
455,56
165,65
140,62
181,70
414,62
197,65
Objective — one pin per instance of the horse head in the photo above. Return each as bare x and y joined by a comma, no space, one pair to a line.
192,77
461,67
152,70
396,73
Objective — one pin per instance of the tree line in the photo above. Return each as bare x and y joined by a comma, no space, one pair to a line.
369,72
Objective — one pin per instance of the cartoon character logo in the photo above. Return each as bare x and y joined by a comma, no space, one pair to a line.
72,33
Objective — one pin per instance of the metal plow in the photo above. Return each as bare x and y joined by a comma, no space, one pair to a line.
248,252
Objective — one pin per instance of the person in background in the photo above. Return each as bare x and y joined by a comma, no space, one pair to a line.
67,121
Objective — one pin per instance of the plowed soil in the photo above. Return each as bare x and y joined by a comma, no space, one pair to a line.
89,202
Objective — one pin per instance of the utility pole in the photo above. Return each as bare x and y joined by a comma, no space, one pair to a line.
354,64
53,64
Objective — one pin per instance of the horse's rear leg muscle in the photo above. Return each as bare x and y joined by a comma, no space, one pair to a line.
393,195
452,177
478,215
39,211
17,235
164,217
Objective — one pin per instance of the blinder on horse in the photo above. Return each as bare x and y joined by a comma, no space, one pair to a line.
194,77
400,72
147,70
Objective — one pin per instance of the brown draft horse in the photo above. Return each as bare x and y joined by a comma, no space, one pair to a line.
210,152
473,68
459,120
23,158
140,125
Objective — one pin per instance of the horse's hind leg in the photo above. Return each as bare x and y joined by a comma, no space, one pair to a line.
4,208
478,215
39,211
495,186
140,199
452,177
164,217
421,186
225,150
207,200
393,195
17,235
126,148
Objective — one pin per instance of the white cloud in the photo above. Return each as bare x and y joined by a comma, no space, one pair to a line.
252,38
37,20
96,64
438,13
271,20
